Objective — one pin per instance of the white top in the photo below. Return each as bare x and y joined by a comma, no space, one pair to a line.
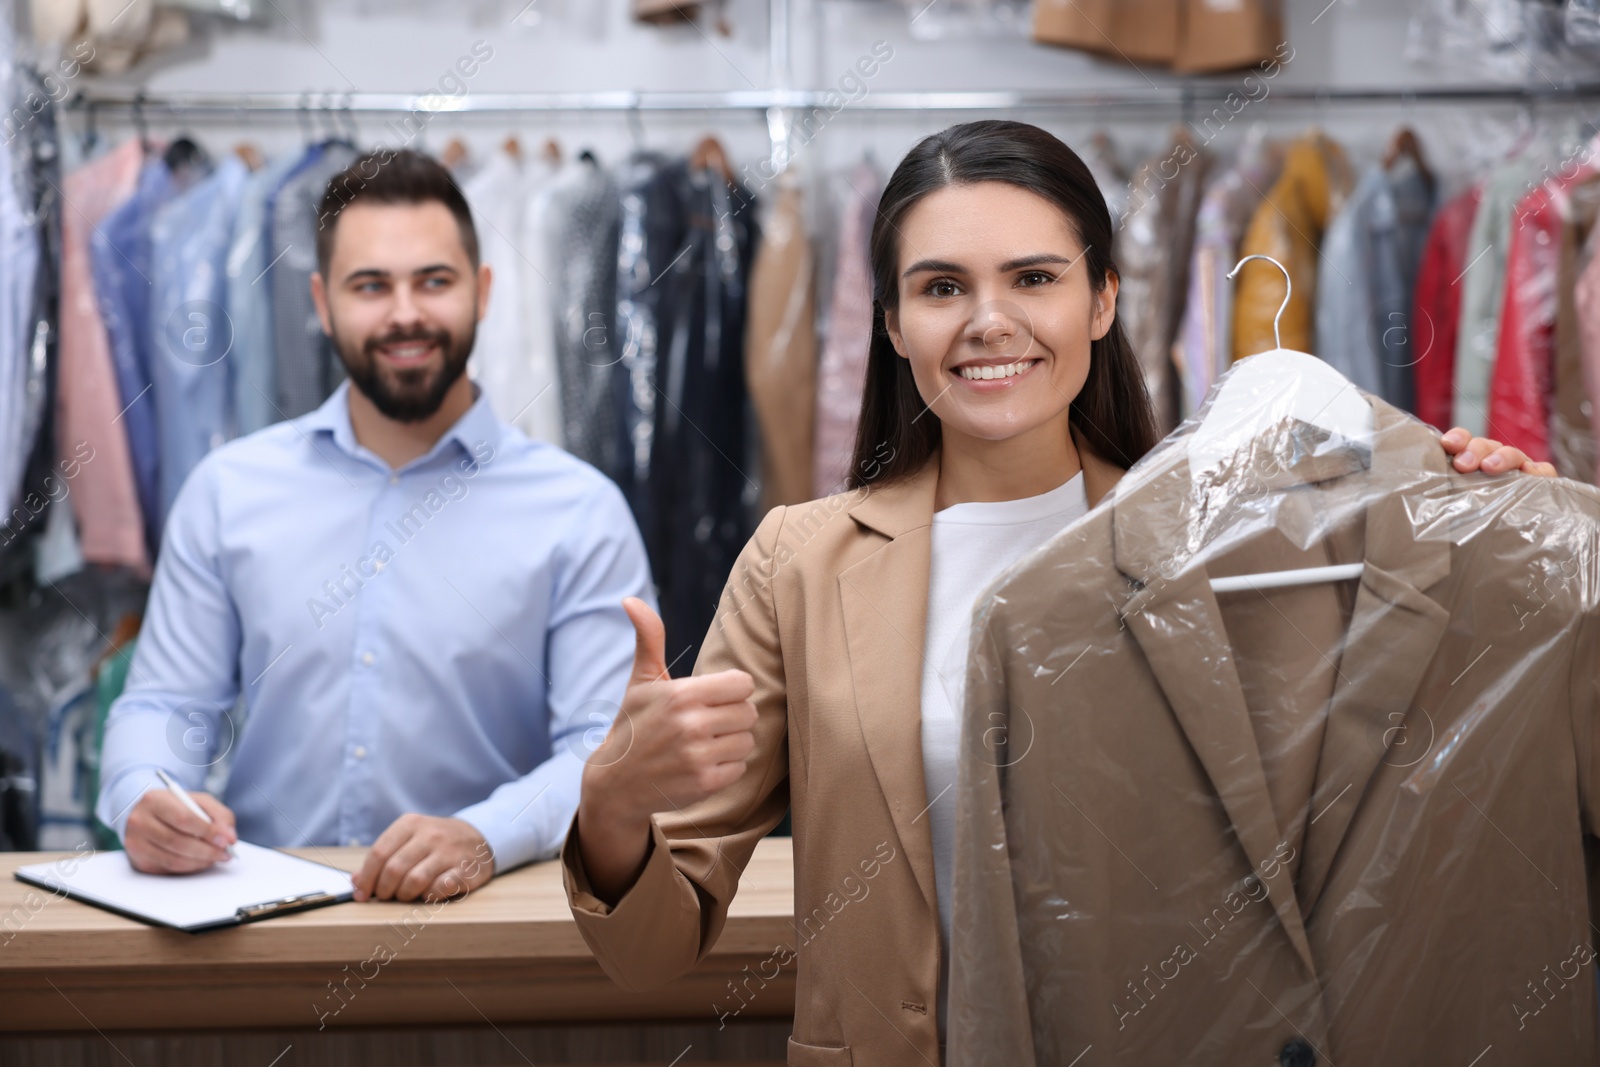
971,545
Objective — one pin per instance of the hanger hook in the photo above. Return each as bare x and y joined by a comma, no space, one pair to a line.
139,125
348,114
636,123
1288,287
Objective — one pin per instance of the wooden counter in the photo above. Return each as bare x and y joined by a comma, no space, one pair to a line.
508,953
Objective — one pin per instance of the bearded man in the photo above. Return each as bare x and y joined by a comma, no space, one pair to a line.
397,618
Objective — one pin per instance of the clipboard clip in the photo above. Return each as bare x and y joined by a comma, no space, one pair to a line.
276,907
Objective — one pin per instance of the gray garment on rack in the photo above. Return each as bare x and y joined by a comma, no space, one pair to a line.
585,304
1372,250
308,369
250,299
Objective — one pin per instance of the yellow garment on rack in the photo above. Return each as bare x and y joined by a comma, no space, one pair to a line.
1288,226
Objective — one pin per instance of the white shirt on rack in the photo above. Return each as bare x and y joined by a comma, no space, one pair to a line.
972,544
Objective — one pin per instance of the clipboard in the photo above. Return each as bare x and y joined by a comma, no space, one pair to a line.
258,883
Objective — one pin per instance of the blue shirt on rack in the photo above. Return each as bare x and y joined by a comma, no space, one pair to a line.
445,638
192,337
119,257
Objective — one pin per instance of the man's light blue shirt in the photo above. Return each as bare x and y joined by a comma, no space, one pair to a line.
445,638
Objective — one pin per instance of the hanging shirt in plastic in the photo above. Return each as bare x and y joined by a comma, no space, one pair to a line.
847,338
110,525
585,239
781,349
19,247
1288,226
503,360
1572,441
539,274
28,392
192,337
1206,337
1152,252
681,306
1341,821
705,498
1436,308
1364,293
651,263
1586,298
1522,377
307,368
1483,291
121,257
1101,159
254,354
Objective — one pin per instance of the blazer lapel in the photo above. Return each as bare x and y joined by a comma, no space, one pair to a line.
885,606
885,603
1394,632
1162,522
1179,629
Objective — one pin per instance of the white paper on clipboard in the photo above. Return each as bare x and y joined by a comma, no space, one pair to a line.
224,894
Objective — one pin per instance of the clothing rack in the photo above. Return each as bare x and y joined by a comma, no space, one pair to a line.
777,106
1187,95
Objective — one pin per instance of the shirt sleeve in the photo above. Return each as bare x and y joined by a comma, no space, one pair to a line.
589,653
185,673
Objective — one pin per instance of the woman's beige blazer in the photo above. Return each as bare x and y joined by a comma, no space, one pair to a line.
825,609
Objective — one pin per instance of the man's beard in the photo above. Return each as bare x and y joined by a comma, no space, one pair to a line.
408,394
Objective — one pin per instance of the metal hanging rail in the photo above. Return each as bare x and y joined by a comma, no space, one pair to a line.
761,100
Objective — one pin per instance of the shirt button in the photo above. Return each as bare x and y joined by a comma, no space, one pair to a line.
368,658
377,565
360,752
355,841
394,479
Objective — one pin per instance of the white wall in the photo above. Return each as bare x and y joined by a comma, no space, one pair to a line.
399,46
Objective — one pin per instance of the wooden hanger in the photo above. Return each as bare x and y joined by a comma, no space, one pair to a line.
552,151
709,153
126,630
512,147
454,154
1405,143
250,154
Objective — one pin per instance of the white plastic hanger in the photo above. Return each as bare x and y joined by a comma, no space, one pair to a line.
1260,392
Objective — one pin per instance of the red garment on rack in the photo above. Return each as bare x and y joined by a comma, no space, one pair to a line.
1524,362
1436,307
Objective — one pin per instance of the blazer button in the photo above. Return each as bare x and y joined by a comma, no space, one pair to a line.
1297,1053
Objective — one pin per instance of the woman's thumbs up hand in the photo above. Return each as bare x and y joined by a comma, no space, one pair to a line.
675,741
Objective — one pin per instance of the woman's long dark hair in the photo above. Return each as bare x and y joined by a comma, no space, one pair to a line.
1112,411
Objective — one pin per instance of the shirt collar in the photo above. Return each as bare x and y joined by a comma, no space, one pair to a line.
477,426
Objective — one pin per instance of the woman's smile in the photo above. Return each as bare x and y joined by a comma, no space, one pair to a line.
992,375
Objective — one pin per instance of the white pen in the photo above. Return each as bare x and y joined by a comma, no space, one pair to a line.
188,801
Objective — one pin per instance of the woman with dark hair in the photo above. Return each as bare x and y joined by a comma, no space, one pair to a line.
1002,402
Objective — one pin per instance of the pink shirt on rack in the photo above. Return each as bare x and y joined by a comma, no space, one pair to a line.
110,525
842,367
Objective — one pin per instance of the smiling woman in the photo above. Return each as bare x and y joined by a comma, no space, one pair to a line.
1002,402
1004,318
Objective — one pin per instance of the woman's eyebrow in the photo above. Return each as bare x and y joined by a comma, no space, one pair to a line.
943,265
1036,260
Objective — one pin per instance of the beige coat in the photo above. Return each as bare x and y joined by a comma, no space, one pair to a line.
1345,822
825,609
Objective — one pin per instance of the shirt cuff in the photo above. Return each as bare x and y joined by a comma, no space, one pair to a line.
510,845
118,801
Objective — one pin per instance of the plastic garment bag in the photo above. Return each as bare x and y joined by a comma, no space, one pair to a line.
1333,821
